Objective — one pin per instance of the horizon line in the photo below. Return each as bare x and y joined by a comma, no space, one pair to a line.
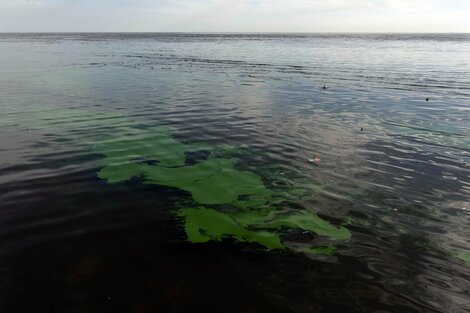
221,32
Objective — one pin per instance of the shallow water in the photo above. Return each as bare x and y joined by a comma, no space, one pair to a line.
173,173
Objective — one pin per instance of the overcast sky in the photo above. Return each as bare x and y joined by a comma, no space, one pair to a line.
236,15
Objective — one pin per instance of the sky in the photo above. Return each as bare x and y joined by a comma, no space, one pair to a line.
235,15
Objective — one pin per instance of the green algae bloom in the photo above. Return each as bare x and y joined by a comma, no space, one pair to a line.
464,256
303,220
258,214
262,227
225,202
213,181
324,250
203,225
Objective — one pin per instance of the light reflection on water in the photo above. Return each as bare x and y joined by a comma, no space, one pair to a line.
394,168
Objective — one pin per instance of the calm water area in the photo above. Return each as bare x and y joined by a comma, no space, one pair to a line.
213,173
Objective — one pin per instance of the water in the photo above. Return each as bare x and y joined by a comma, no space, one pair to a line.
91,122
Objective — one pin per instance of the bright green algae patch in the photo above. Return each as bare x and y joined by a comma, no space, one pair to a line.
203,225
257,213
213,181
160,160
302,220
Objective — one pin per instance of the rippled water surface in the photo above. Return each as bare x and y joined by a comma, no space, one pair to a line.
211,173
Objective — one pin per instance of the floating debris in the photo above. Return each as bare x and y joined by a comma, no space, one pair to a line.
316,160
427,99
324,87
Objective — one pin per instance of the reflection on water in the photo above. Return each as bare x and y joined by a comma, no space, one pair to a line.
118,151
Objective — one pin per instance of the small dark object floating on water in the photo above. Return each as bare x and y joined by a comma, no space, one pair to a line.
324,87
427,99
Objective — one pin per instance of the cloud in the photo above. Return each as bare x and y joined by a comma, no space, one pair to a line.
240,15
428,5
19,2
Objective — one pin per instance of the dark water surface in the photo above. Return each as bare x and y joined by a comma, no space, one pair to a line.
103,137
